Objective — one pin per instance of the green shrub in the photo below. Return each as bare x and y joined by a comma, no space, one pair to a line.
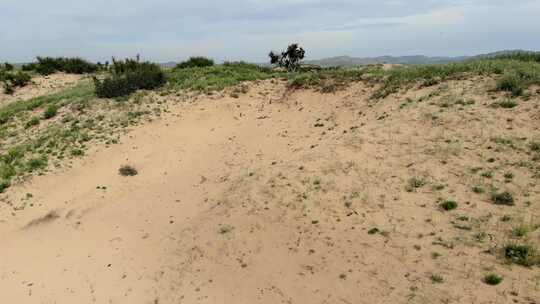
449,205
127,76
4,185
50,111
49,65
8,66
511,82
492,279
13,80
34,121
195,62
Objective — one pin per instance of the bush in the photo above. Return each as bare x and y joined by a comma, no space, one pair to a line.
449,205
50,112
492,279
525,255
127,76
8,66
504,198
13,80
195,62
49,65
511,82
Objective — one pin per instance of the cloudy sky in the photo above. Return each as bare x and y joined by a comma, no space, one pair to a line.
164,30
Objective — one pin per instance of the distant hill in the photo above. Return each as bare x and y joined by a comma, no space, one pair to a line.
416,59
346,61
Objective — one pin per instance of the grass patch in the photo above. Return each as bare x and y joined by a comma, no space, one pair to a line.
428,75
506,104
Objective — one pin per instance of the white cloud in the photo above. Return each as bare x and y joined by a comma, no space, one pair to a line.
246,29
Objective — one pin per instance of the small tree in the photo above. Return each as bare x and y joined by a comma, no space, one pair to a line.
289,59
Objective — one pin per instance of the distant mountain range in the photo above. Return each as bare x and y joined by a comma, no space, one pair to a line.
347,61
416,59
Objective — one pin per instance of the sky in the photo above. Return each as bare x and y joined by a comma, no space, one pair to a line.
167,30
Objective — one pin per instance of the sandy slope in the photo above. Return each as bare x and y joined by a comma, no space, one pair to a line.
40,85
269,199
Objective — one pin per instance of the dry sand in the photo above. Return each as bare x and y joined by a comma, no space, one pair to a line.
269,198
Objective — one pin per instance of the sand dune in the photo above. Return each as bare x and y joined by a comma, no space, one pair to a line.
282,197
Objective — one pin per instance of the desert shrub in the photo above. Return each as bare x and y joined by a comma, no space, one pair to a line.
195,62
511,82
8,66
29,66
506,104
127,76
289,59
503,198
449,205
127,170
18,79
50,111
522,254
34,121
492,279
49,65
4,185
13,80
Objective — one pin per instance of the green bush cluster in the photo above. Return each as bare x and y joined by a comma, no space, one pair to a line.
127,76
50,65
195,62
11,78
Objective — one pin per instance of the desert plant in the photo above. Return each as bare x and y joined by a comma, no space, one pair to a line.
522,254
127,76
127,170
449,205
492,279
8,66
507,104
503,198
195,62
511,82
289,59
49,65
50,111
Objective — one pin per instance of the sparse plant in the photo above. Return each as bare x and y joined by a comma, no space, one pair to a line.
503,198
522,254
507,104
436,278
127,170
415,183
449,205
492,279
478,189
511,82
50,111
289,59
